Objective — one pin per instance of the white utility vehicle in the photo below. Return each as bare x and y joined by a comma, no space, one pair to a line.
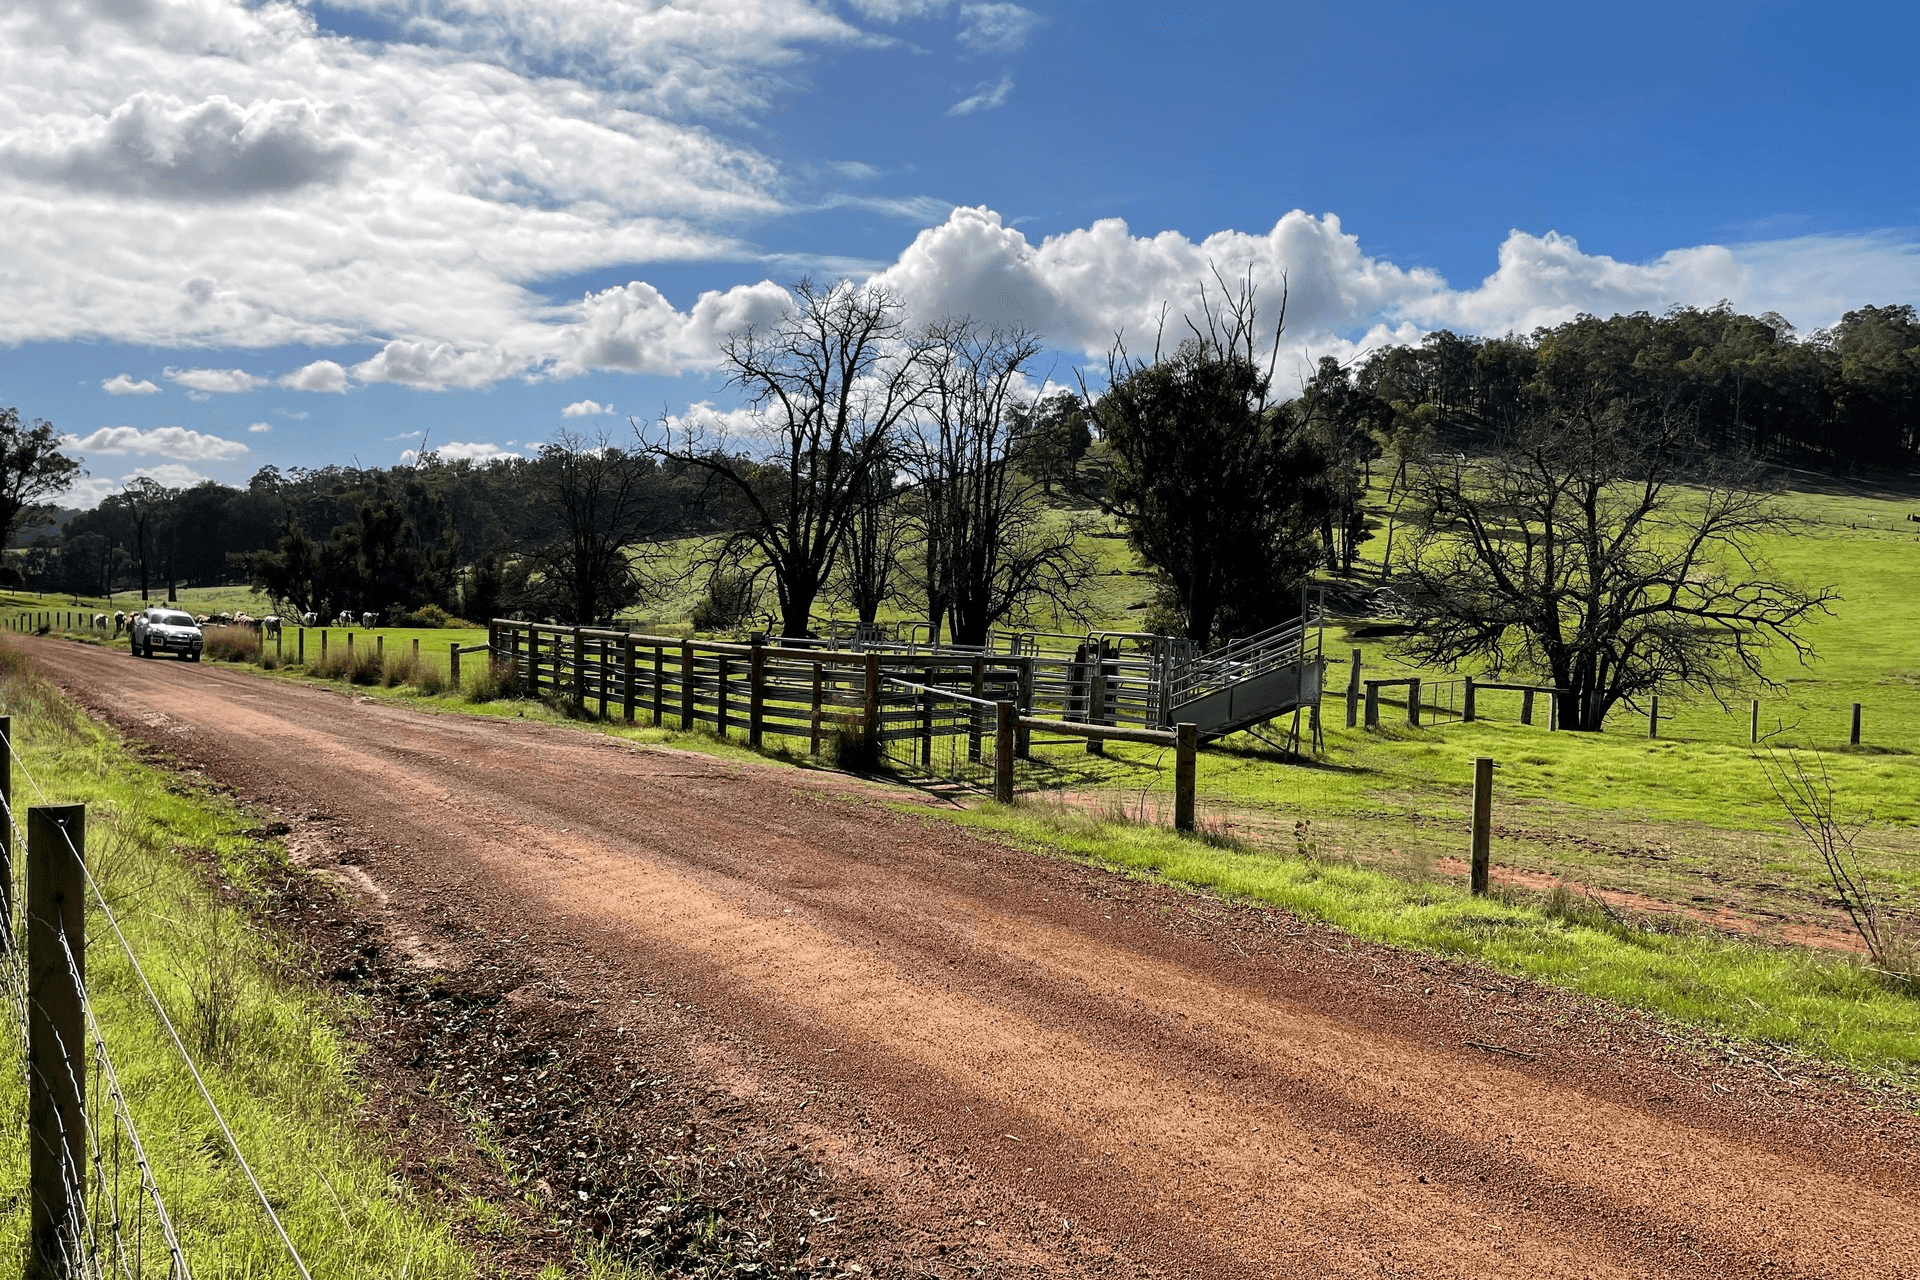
165,631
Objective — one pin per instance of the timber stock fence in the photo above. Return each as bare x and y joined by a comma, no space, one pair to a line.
964,716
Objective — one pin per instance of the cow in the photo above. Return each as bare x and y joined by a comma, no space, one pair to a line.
344,619
99,622
270,626
119,621
370,620
309,619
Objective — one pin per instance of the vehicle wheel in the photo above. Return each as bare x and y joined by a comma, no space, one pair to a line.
194,656
147,650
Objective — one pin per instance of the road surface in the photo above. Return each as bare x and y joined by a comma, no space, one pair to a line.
1072,1072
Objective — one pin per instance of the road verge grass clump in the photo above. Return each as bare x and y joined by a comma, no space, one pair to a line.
493,682
179,869
1825,1004
231,644
354,666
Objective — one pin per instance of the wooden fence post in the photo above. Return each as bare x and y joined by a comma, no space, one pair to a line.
579,681
870,713
1413,702
380,648
416,651
1855,739
756,695
1482,822
659,684
1353,692
323,644
1653,717
686,686
1186,747
1466,702
278,653
813,734
300,647
1003,718
627,665
1526,706
1097,695
453,664
1753,725
1373,705
7,903
926,728
720,694
56,1033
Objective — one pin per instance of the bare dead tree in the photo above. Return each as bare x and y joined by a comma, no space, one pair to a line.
1806,794
829,385
990,548
875,537
1601,545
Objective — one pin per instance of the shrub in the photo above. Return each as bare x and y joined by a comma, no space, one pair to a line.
426,616
854,747
730,600
493,682
429,679
401,669
231,644
355,666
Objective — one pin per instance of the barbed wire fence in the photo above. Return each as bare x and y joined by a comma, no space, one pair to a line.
97,1210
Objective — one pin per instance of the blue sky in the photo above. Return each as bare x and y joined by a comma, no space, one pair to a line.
251,234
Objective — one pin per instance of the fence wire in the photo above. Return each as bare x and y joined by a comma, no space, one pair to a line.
121,1227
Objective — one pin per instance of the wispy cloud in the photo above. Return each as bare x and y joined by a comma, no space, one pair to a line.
996,28
985,98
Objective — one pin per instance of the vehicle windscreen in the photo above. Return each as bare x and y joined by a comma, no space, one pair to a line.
174,619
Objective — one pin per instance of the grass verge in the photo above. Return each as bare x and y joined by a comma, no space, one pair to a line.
266,1042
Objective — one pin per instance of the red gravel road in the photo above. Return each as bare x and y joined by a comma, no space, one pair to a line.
1060,1071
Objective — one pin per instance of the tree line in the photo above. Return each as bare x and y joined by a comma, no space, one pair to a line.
935,469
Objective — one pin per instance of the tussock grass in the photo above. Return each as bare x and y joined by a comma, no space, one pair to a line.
355,666
178,869
231,644
492,682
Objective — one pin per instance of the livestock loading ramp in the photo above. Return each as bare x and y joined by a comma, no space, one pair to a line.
1249,681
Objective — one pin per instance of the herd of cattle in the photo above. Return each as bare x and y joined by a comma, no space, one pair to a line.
267,626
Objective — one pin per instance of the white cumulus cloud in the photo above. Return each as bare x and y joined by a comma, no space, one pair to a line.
259,427
215,381
321,375
168,442
121,384
459,451
585,409
87,492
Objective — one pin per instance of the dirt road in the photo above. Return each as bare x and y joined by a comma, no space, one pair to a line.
1048,1067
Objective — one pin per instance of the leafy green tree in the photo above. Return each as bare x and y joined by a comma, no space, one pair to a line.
32,469
589,500
1221,491
1052,434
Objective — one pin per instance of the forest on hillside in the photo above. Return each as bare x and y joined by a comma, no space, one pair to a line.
934,494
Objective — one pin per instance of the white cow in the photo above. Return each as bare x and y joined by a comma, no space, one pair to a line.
370,620
270,626
99,622
119,621
309,619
